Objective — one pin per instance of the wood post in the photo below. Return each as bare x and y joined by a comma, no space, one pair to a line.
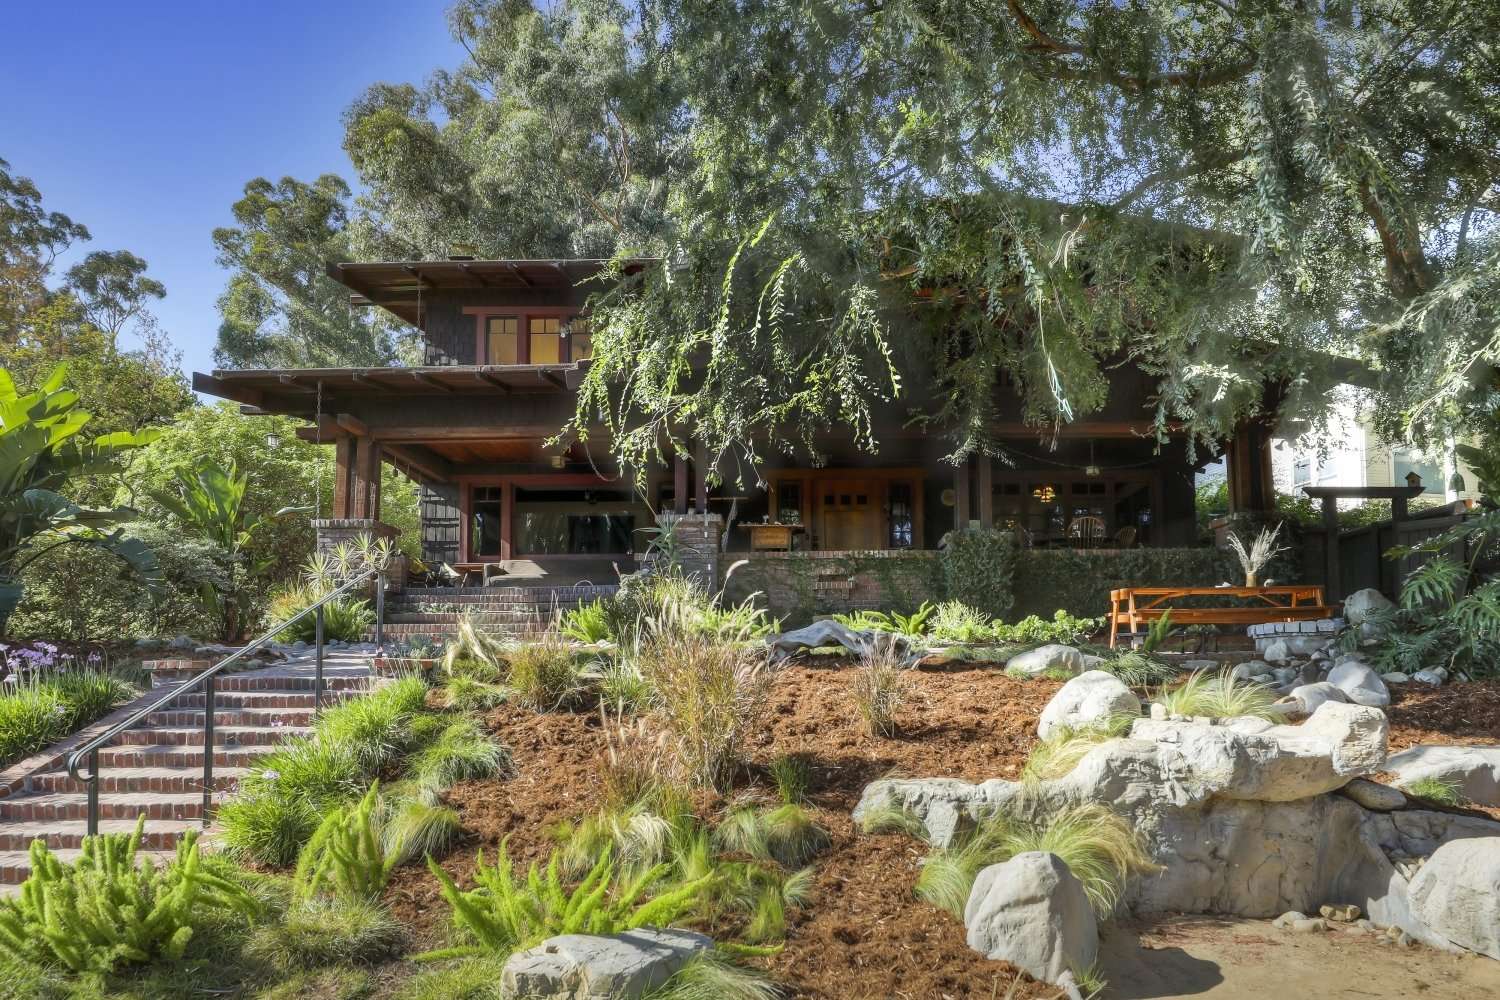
679,485
507,518
1251,486
366,488
700,477
961,496
343,473
986,487
1332,586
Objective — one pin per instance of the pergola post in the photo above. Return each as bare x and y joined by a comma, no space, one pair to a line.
366,488
700,477
343,473
1251,484
679,485
1332,585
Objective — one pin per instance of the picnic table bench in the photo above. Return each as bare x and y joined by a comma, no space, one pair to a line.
1133,606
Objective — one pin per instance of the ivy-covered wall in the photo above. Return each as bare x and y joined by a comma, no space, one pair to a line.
799,586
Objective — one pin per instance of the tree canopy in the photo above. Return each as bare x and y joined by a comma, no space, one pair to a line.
871,200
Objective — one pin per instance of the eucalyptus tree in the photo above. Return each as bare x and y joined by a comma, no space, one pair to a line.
280,309
114,290
913,197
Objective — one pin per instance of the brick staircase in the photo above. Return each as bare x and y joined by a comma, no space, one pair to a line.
157,767
519,610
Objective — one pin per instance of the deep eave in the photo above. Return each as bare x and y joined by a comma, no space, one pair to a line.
398,285
294,391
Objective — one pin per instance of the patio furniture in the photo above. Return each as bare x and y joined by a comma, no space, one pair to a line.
1086,532
1125,538
1137,606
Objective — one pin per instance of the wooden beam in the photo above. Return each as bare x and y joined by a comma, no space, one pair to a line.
554,378
352,424
428,380
520,276
211,386
483,281
294,382
431,466
343,470
491,380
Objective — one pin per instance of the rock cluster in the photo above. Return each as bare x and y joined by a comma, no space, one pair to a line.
588,967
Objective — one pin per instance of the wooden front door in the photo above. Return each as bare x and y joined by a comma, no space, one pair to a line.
850,514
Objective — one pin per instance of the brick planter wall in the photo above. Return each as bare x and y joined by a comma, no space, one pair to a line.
797,586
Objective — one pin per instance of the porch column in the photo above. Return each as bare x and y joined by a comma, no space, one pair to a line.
366,480
1251,487
343,472
700,477
507,518
679,485
986,487
961,496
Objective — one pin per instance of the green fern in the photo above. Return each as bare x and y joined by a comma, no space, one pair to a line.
346,855
112,907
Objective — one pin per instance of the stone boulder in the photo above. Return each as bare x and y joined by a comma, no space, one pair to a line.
1359,605
1053,656
1375,796
1305,699
588,967
1360,684
1032,912
1456,893
1475,770
1093,696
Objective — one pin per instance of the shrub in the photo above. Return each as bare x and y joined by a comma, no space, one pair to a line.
623,686
326,931
319,771
346,856
1219,697
543,674
979,568
266,827
461,752
879,687
586,623
1035,630
37,712
376,728
502,915
344,620
416,829
112,907
711,694
956,621
792,774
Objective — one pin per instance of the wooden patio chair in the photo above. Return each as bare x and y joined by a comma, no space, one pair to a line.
1086,532
1125,537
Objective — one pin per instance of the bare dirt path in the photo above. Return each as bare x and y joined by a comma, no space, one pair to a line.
1225,958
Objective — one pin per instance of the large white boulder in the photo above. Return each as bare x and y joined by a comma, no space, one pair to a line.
1305,699
1359,605
1456,893
1032,912
1091,697
588,967
1053,656
1475,770
1360,684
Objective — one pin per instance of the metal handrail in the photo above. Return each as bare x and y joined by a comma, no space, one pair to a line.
206,680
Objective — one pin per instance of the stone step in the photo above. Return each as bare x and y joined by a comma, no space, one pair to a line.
159,836
265,717
67,807
273,699
449,618
164,780
226,736
15,866
167,755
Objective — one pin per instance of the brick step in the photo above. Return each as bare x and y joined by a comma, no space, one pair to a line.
270,717
167,755
16,865
334,679
164,780
447,618
228,736
159,836
262,699
67,807
440,595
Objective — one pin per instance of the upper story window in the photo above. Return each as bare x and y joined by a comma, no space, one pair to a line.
501,340
534,340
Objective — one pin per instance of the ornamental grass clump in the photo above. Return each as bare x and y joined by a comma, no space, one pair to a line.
462,751
543,674
45,707
880,687
710,694
1219,696
112,907
1060,753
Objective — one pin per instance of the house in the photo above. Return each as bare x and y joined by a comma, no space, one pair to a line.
506,346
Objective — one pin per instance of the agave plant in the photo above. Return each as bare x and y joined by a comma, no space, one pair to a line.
40,453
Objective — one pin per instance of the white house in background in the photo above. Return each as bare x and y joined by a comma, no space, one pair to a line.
1348,452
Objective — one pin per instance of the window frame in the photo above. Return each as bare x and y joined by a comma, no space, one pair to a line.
482,315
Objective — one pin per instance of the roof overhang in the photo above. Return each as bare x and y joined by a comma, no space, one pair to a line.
399,285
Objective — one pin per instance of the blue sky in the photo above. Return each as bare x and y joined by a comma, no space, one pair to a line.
143,121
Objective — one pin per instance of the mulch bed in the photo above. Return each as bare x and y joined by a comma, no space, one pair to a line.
864,936
1462,713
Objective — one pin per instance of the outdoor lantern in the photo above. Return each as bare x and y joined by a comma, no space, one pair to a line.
1457,484
1046,494
273,441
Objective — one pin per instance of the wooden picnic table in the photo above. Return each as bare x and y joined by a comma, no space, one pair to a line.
1135,605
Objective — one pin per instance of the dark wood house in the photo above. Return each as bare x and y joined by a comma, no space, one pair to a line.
506,342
